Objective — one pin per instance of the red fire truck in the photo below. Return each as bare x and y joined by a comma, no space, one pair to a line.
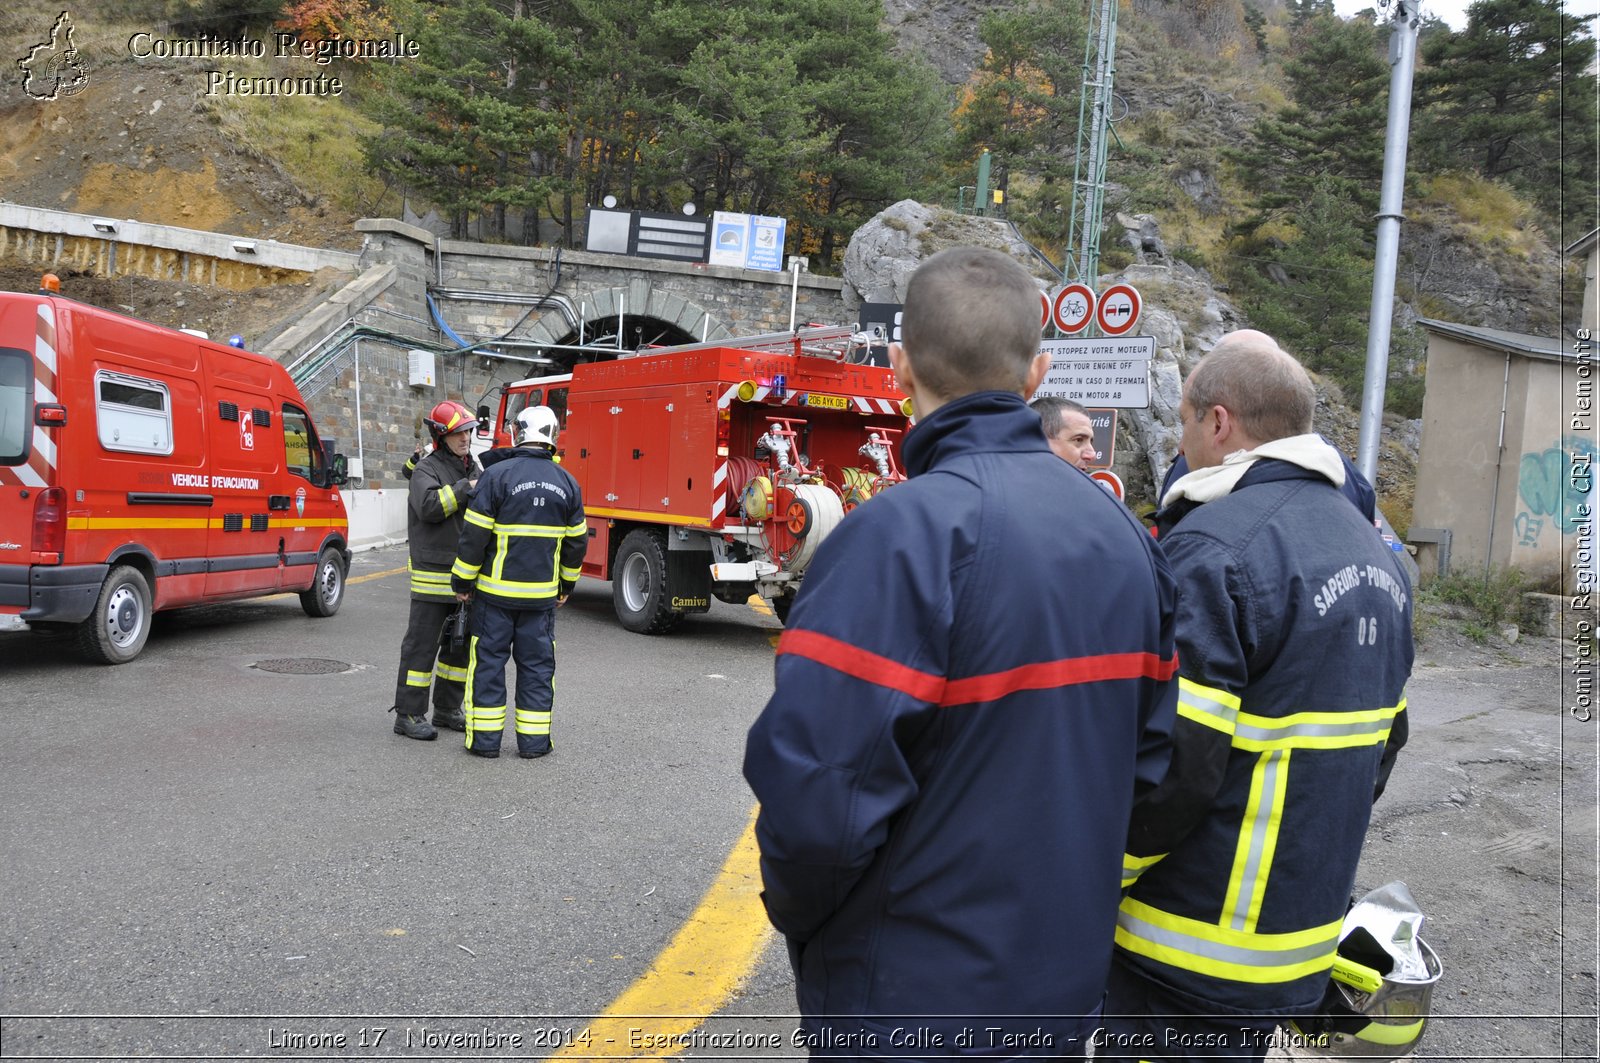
716,469
143,468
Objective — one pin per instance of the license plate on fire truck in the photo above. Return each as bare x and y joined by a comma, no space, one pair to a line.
828,402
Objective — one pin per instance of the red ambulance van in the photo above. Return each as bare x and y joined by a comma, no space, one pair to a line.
143,468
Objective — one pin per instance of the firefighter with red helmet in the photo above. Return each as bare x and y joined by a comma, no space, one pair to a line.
441,486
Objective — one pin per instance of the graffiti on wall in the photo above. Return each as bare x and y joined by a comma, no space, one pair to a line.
1553,485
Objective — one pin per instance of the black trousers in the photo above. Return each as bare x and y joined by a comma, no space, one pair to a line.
425,662
1145,1022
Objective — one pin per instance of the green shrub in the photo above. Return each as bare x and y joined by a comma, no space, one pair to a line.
1495,598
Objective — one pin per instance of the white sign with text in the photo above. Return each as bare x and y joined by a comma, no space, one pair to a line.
1107,371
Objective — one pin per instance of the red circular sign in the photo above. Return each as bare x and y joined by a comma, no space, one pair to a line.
1073,308
1044,309
1109,480
1119,309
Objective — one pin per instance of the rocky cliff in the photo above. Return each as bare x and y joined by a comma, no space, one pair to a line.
1183,312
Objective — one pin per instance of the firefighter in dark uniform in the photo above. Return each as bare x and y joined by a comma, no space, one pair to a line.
441,486
1294,648
519,557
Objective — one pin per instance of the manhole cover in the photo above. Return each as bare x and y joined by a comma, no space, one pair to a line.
303,666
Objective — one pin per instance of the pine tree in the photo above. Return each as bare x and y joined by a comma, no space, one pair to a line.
1313,297
462,118
1333,128
1022,105
884,119
1511,96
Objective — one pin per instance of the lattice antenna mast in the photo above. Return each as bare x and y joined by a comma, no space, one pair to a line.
1089,169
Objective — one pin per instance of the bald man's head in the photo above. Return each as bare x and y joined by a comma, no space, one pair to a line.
1256,381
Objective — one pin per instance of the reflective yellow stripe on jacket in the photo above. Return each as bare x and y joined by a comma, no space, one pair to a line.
1134,866
494,581
573,531
1208,706
1223,952
1231,947
433,584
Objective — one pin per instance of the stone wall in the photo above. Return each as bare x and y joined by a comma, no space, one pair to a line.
539,295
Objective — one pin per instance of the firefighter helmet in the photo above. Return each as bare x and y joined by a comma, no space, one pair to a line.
1377,1002
537,424
448,418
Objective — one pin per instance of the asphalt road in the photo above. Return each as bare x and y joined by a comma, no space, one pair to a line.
203,859
189,834
1490,820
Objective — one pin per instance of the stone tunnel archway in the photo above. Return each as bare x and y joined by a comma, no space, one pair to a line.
647,316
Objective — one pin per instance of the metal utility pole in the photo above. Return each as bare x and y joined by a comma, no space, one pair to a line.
980,205
1089,170
1403,61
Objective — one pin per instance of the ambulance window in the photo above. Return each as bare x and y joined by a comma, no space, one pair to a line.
302,451
133,414
16,383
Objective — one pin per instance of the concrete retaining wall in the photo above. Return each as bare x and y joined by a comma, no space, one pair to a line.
108,247
377,518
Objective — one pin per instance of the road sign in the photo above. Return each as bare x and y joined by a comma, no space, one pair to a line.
1119,309
1073,308
1109,372
1104,425
1109,480
1044,309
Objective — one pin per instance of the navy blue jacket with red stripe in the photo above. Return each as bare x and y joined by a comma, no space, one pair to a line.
974,681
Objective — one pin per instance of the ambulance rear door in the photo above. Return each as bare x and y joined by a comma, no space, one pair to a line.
27,459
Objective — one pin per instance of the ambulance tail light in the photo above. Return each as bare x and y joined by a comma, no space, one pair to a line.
50,525
724,431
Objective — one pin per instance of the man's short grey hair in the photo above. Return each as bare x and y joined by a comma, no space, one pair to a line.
971,322
1052,412
1255,380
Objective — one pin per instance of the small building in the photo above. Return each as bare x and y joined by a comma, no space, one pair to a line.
1505,474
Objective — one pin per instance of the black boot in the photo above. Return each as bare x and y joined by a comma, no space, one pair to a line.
449,721
414,727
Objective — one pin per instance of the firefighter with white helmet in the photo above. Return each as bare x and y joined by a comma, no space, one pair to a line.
518,559
441,486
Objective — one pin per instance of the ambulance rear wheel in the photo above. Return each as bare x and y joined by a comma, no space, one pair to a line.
327,591
117,629
639,584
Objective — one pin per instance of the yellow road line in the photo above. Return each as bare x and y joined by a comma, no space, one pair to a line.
358,579
711,954
709,957
759,604
376,575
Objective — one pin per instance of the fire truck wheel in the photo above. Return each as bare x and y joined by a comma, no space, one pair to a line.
780,608
639,584
116,631
322,598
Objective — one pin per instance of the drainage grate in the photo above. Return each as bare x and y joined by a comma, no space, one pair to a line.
302,666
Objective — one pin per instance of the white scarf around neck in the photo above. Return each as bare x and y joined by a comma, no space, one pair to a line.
1309,451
